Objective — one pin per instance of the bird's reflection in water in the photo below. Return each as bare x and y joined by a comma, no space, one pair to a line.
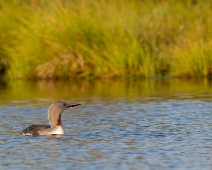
54,136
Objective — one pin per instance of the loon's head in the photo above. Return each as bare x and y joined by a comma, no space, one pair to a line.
55,110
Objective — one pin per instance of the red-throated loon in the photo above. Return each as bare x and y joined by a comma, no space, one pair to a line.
54,115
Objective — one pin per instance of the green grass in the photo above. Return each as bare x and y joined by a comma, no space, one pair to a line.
104,39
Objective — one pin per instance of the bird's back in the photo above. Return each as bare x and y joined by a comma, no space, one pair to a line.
35,130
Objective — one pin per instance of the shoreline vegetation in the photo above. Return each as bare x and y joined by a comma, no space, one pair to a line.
62,39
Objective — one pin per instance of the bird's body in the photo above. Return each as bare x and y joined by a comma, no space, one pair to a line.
54,115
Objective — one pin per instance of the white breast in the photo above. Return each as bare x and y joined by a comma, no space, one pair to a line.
57,130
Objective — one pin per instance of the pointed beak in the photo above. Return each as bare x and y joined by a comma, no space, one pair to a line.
73,105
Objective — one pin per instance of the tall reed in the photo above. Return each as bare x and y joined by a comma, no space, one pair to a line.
66,39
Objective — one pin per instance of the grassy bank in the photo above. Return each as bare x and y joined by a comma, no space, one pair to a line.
83,38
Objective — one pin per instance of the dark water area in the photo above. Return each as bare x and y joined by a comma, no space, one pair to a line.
128,124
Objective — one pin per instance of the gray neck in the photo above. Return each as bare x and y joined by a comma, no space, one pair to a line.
54,116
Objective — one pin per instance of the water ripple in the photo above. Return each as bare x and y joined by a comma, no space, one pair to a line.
171,134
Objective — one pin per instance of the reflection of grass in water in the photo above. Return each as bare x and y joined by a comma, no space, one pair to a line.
62,39
97,91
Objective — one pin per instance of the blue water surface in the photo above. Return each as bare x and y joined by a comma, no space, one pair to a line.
111,133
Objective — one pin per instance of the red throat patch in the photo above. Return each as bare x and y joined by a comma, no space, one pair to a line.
59,121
